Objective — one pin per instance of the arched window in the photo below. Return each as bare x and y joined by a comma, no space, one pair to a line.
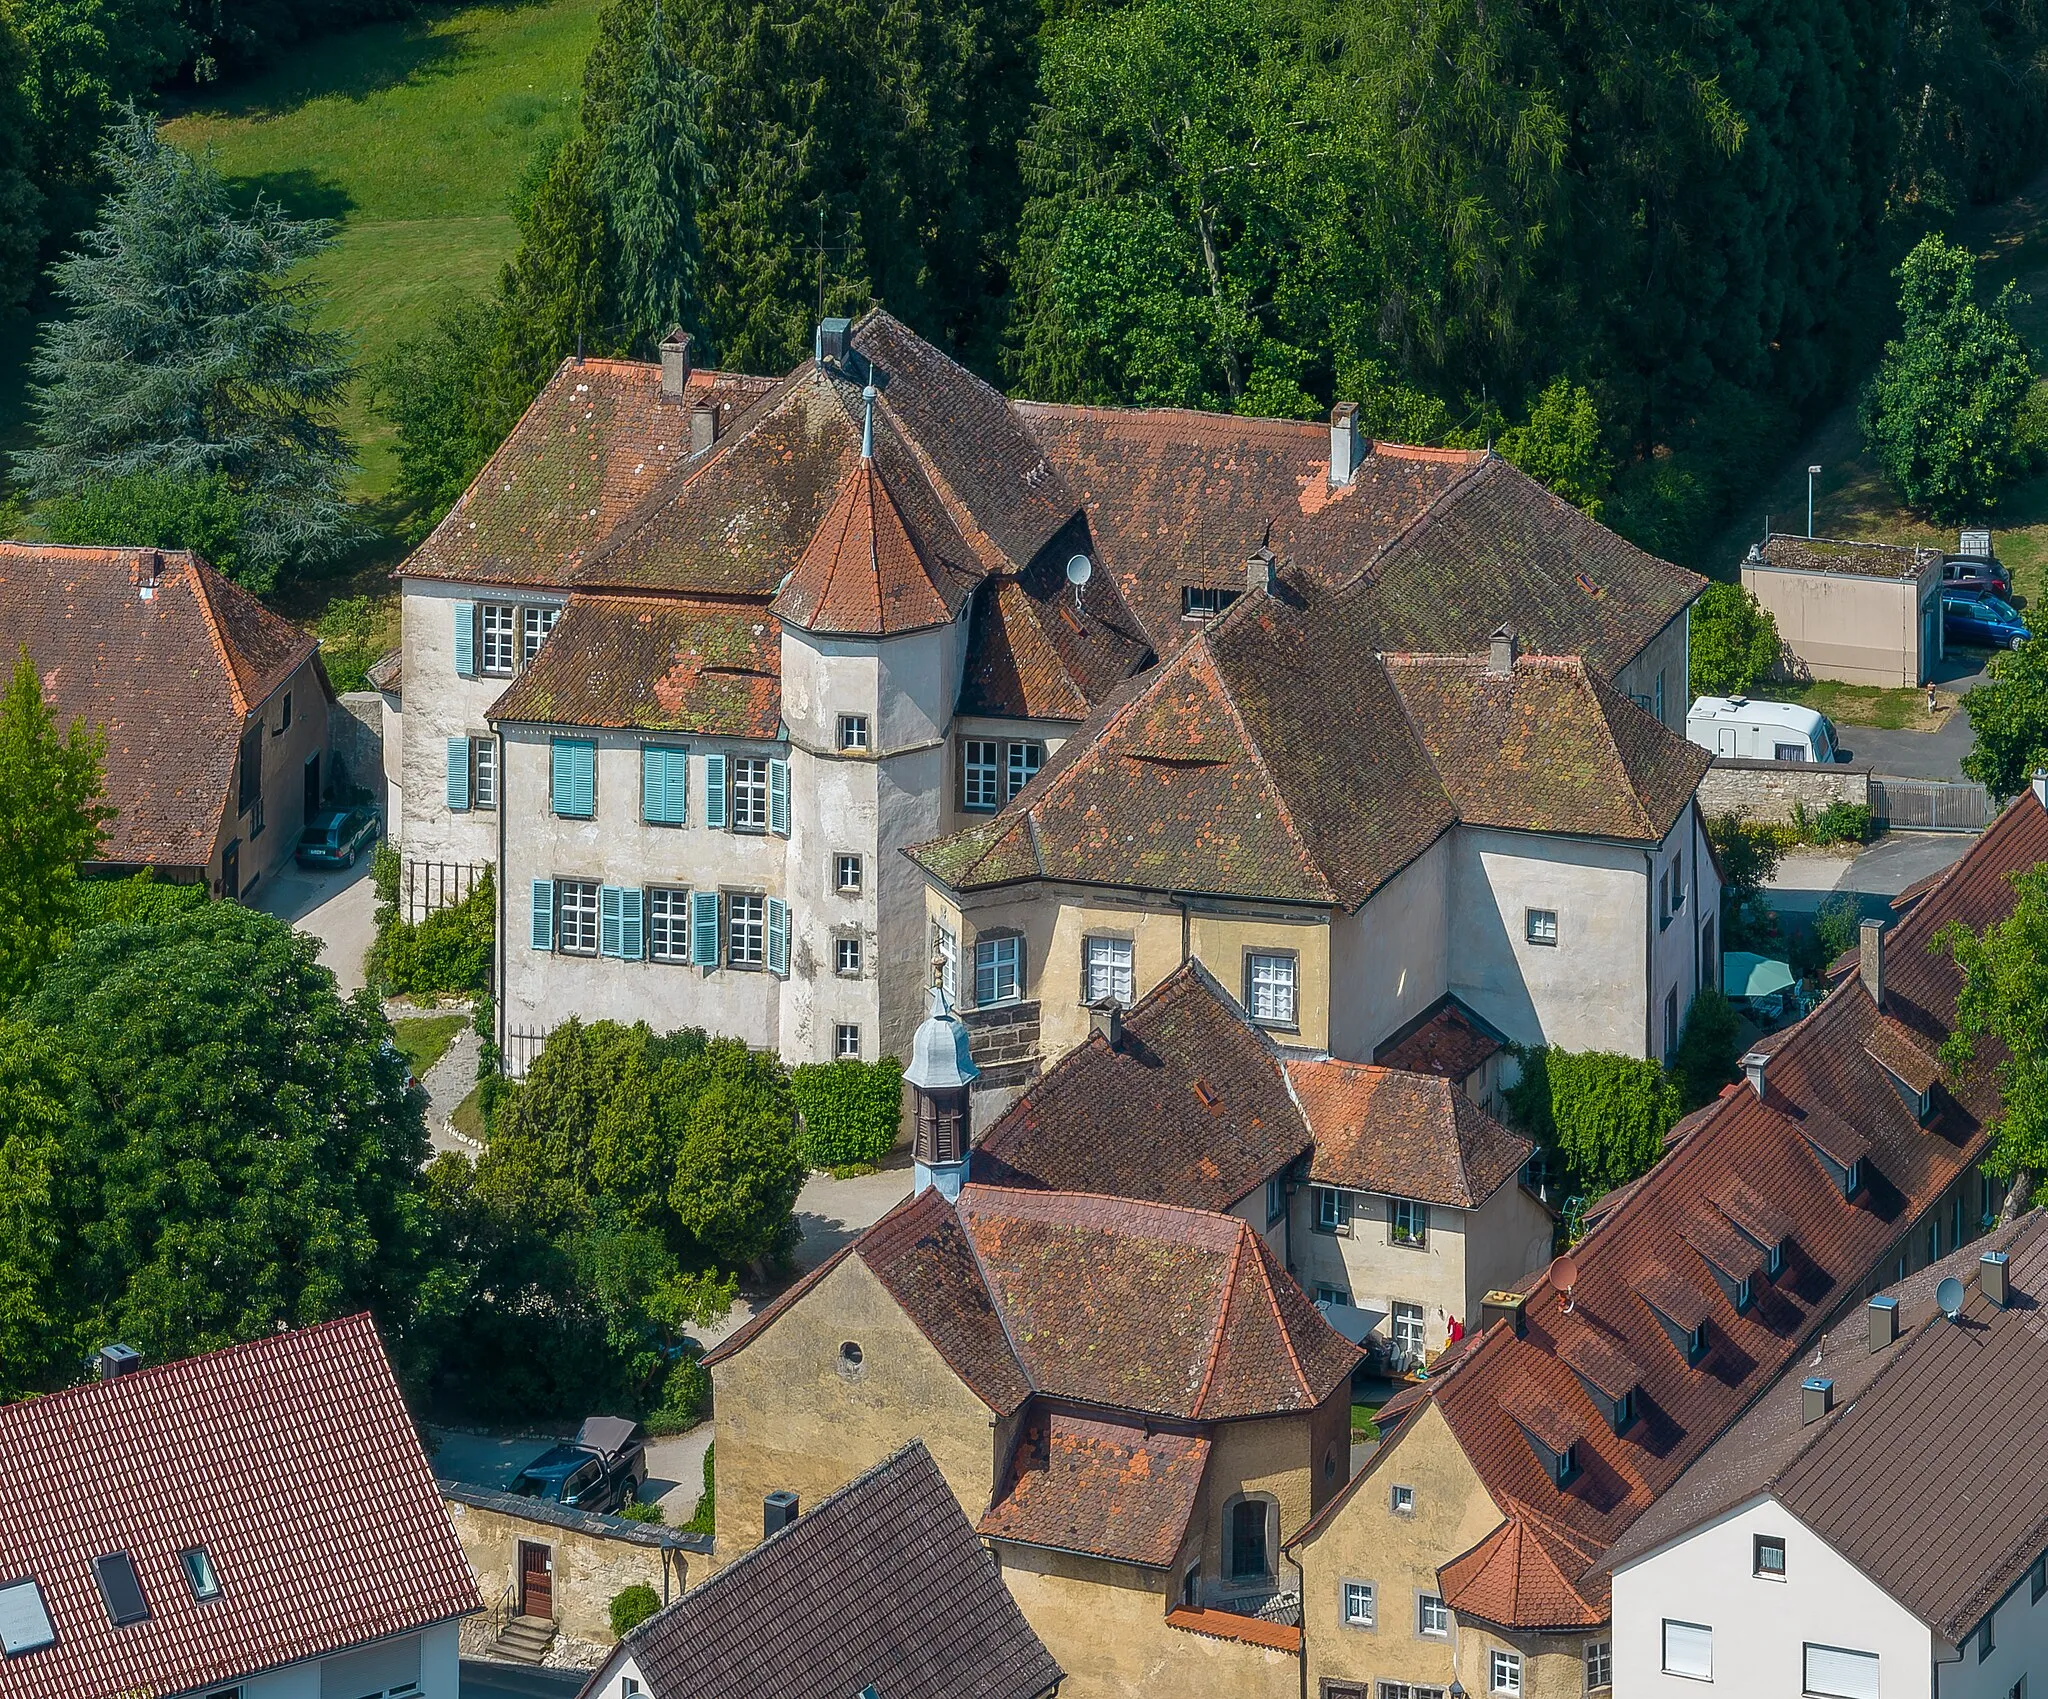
1251,1536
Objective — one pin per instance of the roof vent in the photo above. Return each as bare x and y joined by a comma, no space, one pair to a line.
778,1511
117,1360
1344,444
1502,1306
1106,1018
1816,1399
675,363
1754,1065
1261,572
1500,652
1871,960
1884,1322
832,339
1994,1277
703,427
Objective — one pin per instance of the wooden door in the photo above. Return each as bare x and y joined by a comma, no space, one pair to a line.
536,1581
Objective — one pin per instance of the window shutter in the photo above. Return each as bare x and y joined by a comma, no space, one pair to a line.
609,912
714,790
654,786
632,930
458,774
574,775
465,639
558,777
704,928
543,914
778,935
778,797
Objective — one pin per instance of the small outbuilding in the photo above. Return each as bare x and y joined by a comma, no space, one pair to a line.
1864,613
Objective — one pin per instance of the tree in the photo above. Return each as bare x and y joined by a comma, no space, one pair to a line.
1705,1059
21,200
1600,1117
188,352
1560,446
2004,1003
1748,855
450,400
51,819
1734,642
155,510
2008,716
34,1085
1942,415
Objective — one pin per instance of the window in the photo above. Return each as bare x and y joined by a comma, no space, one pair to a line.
998,970
249,789
1841,1673
1852,1183
1539,926
1401,1500
1770,1556
1659,710
1432,1616
1107,971
1670,1023
1204,601
1024,762
575,917
483,772
1688,1649
1407,1221
668,925
628,1688
846,874
199,1572
749,793
1276,1198
284,719
534,626
1934,1241
846,957
2018,1690
572,778
1565,1464
1270,990
1742,1294
1984,1643
120,1591
853,731
846,1042
1248,1519
1505,1672
746,930
1358,1602
1408,1331
1333,1210
1328,1294
1191,1587
1678,884
1774,1260
2037,1579
1624,1410
946,952
980,764
664,785
1788,752
1406,1690
1599,1665
1696,1343
500,657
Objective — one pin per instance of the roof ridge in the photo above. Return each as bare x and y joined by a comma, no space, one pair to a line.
995,1303
1273,1302
202,593
1419,522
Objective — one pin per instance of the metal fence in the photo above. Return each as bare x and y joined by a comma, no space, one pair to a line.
522,1044
1929,805
431,885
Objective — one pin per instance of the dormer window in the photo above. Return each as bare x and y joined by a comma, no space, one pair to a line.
1564,1464
1622,1413
1741,1296
1204,601
1696,1343
1774,1260
1852,1178
200,1575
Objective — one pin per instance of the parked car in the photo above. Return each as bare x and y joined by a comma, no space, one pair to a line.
600,1471
1958,571
335,838
1987,621
1760,731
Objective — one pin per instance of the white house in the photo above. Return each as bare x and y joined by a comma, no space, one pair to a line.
1876,1526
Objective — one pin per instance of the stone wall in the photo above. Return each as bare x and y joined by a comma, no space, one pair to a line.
1766,790
1004,1041
355,741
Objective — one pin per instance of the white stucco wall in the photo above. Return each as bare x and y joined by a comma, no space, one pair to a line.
439,1671
1388,961
1665,655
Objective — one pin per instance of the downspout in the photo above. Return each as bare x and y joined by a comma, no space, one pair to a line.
1186,923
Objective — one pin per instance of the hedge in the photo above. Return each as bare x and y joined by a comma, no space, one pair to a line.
847,1112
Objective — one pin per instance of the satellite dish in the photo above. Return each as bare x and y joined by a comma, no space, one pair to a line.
1948,1297
1564,1275
1079,570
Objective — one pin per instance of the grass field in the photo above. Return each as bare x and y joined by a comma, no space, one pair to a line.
424,1040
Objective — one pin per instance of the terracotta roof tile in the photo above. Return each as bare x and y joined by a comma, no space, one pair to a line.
1524,1575
260,1454
862,575
1447,1040
1231,1625
1905,1054
1111,1489
1752,1212
1599,1359
1716,1238
1408,1135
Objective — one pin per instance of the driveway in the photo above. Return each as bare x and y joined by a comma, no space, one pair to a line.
337,906
1873,876
1922,755
481,1680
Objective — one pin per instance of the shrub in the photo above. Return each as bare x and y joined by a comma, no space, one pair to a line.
631,1606
1601,1118
1705,1059
1838,823
685,1399
144,898
1836,925
848,1112
643,1511
348,642
1734,641
704,1519
448,953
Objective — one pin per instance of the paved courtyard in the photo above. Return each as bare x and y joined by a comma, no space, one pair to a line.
338,907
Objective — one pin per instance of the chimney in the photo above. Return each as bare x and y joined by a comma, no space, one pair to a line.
1994,1277
1261,572
118,1360
1816,1399
1502,1306
1754,1063
832,335
149,567
2041,786
1872,968
778,1511
703,427
675,363
1107,1018
1343,443
1500,653
1884,1322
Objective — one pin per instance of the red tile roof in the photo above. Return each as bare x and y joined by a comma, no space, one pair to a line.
1524,1575
1408,1135
291,1460
1229,1625
862,575
1447,1040
173,679
1110,1489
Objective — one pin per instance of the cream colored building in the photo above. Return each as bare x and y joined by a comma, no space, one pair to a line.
1865,613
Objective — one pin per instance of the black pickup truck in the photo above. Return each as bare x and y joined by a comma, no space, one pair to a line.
600,1471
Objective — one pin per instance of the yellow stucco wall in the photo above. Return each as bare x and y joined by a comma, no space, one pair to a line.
1553,1665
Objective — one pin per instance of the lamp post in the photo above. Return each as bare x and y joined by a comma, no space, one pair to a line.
1812,472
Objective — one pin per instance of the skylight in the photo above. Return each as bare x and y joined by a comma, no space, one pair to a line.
200,1575
120,1592
24,1624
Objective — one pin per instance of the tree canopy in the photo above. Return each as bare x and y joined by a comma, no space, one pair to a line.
2008,716
1734,641
1600,1117
2004,1002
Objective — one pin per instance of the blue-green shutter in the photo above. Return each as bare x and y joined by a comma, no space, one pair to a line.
543,914
778,935
608,913
574,775
664,785
465,639
632,930
714,790
703,929
458,774
778,797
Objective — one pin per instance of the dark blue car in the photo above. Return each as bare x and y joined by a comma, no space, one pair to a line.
1984,621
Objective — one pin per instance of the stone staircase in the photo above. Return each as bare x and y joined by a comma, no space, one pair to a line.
526,1640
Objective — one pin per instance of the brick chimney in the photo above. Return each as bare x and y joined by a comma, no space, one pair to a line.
675,363
1871,966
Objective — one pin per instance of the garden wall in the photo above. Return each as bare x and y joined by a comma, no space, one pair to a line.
1765,791
355,740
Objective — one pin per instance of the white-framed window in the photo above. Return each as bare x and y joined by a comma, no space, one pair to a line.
1358,1604
1270,989
1599,1665
1688,1649
946,952
1504,1673
534,626
998,970
853,731
1842,1673
846,957
1401,1500
847,874
1022,767
1408,1330
981,775
1333,1209
846,1042
576,917
1204,601
1407,1221
500,634
746,929
483,772
1539,926
1107,970
1432,1616
749,793
200,1575
668,924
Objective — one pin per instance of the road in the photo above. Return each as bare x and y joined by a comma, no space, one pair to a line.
1922,755
1875,876
482,1680
337,907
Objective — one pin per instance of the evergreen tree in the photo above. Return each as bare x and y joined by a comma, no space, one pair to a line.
1560,446
188,352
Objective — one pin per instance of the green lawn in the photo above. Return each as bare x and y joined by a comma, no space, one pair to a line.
425,1040
1867,704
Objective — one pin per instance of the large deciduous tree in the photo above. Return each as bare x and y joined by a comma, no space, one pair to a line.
1734,641
2003,1007
2009,719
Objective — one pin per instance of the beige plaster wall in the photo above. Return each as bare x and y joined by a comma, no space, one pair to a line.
285,753
1665,655
1388,960
1862,630
1553,1665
